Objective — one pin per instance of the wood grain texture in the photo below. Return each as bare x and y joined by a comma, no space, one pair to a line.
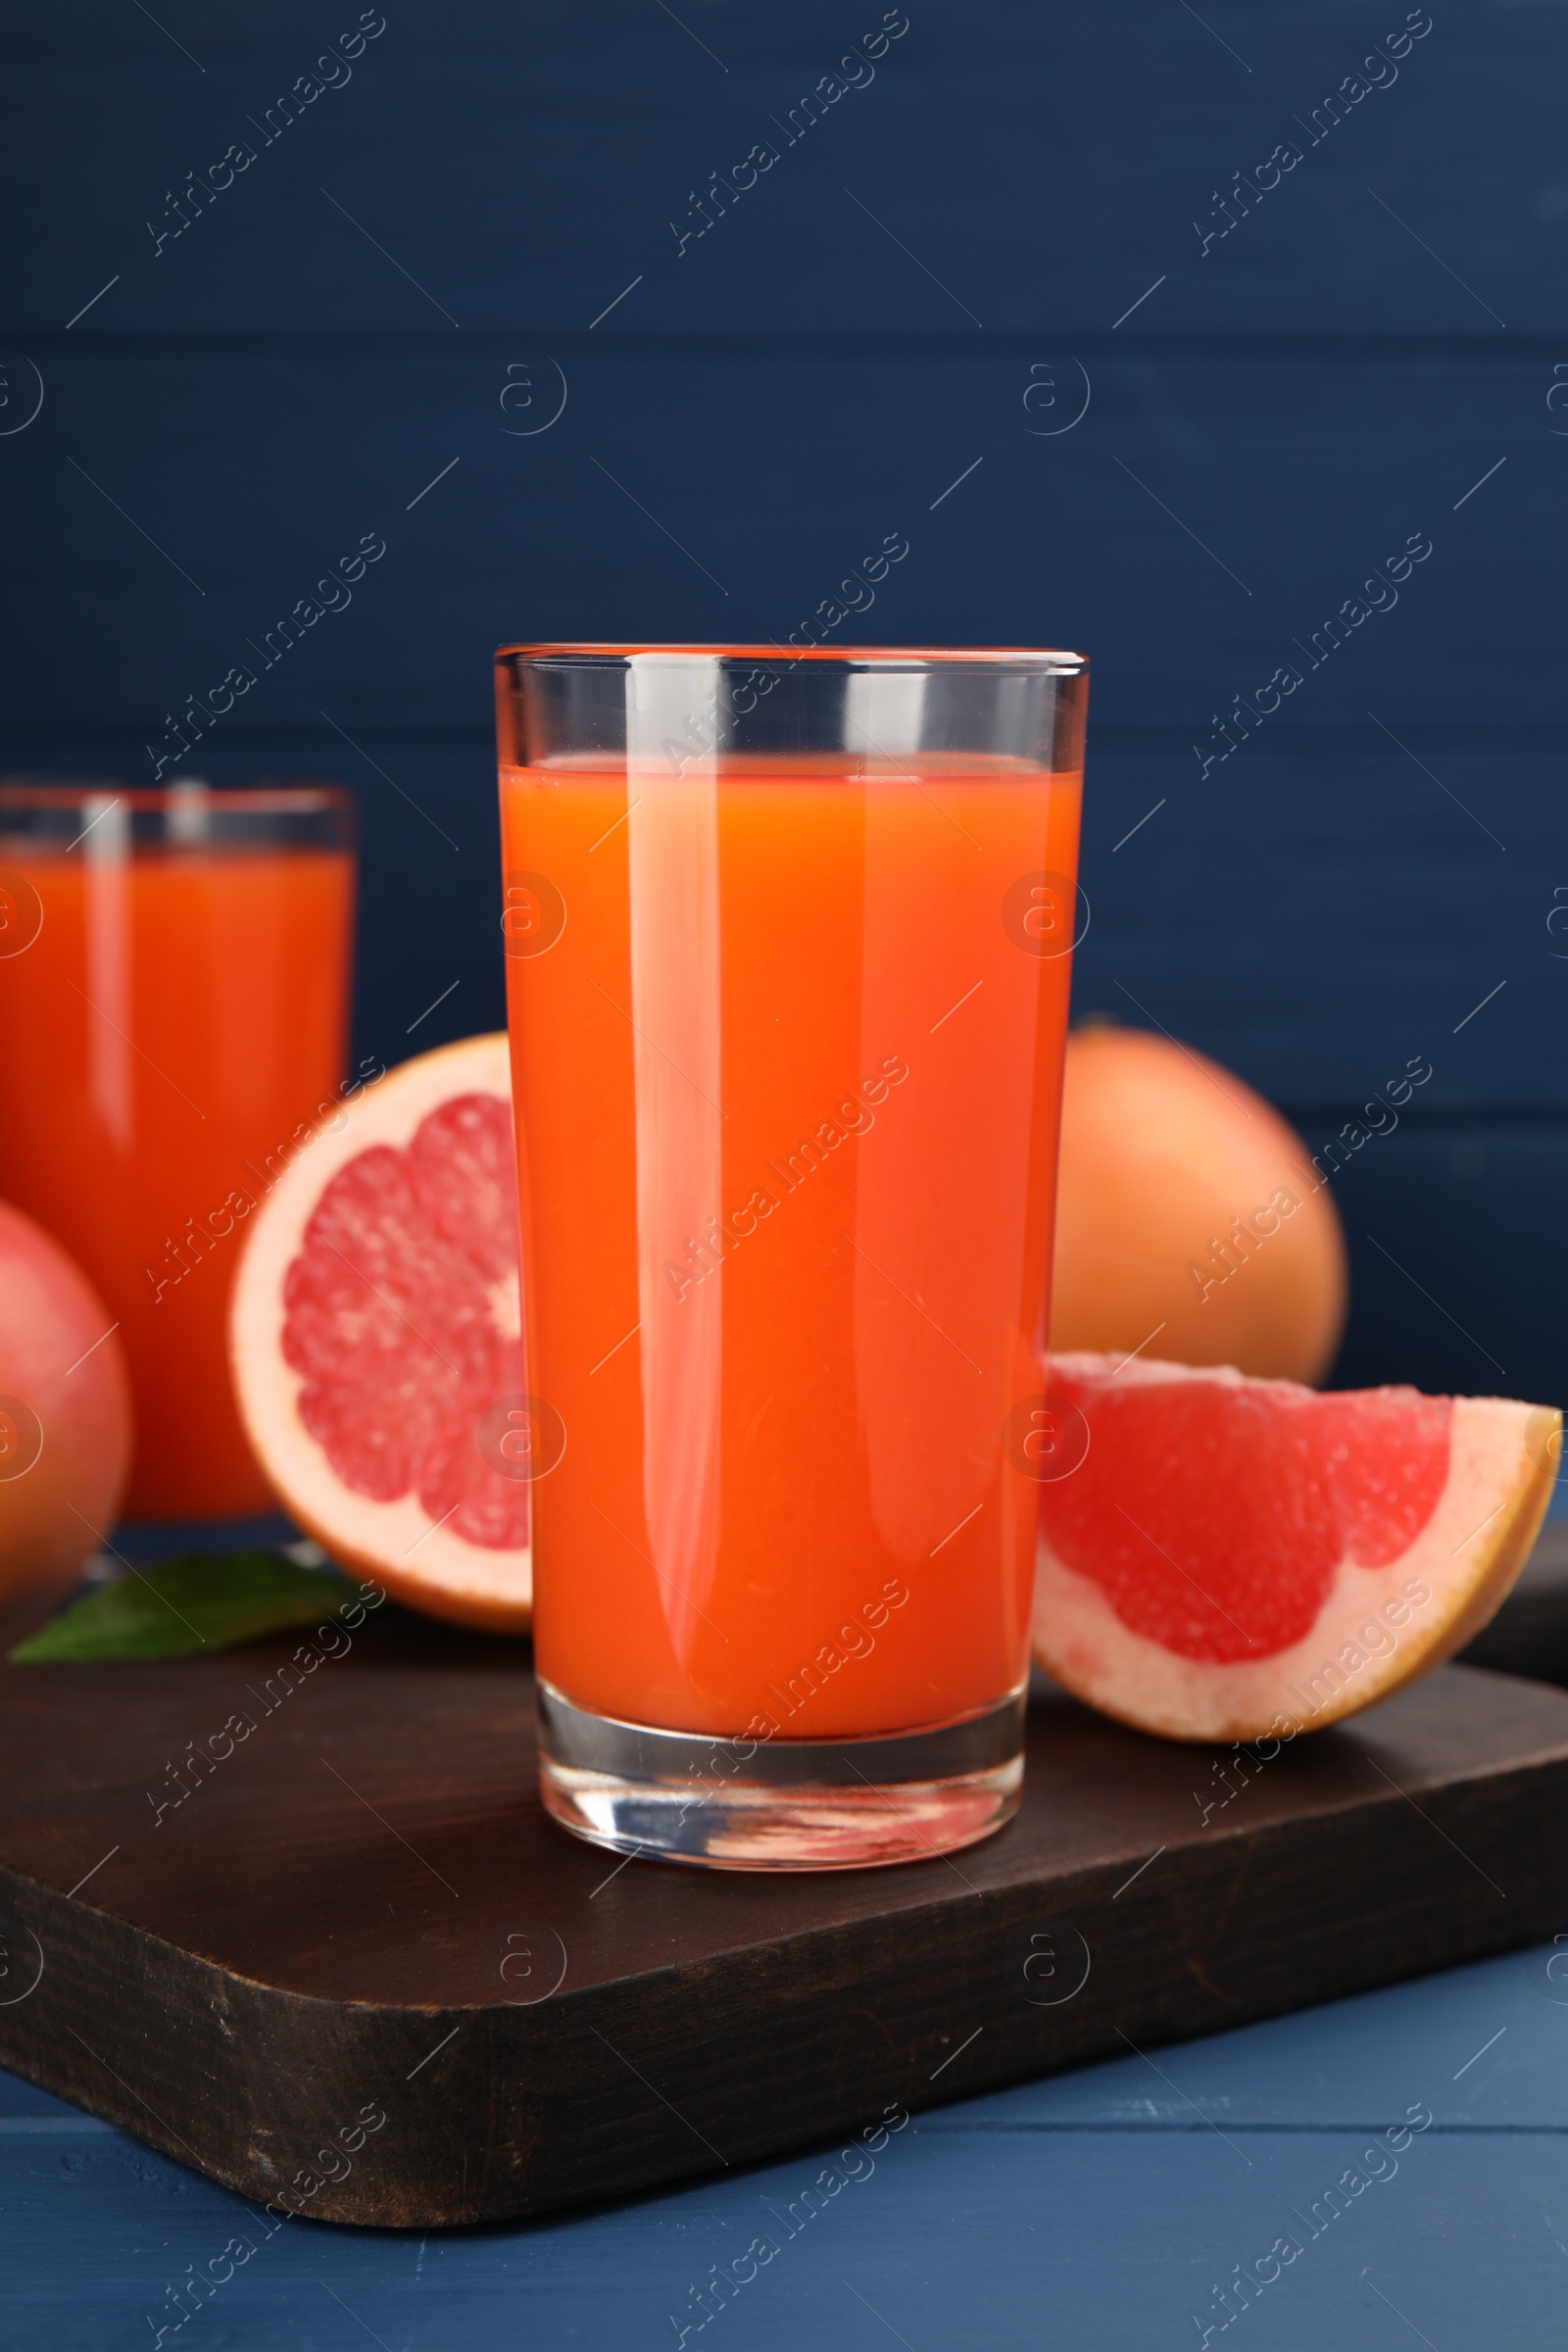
363,1903
1219,501
1044,164
1105,2200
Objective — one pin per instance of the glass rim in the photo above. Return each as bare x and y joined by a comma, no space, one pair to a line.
263,798
1035,660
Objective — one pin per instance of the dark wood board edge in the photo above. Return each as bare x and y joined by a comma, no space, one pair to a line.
502,2111
1528,1635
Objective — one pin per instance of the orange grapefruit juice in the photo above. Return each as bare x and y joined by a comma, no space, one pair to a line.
787,1044
177,1019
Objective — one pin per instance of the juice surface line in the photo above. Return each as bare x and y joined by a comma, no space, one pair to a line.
165,1040
787,1048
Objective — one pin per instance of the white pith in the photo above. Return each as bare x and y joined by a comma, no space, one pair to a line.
1496,1479
396,1536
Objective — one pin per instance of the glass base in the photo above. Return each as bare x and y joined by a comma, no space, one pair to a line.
780,1805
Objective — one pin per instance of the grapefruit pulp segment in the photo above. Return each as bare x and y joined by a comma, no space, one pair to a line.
1234,1557
377,1330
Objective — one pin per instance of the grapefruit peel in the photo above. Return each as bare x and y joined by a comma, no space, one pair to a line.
1253,1616
375,1331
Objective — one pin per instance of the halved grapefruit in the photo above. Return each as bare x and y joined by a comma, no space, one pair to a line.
375,1338
1228,1559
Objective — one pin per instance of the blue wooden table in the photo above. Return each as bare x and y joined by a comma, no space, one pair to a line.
1103,2208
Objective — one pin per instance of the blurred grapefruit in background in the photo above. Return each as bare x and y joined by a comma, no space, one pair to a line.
65,1413
1190,1217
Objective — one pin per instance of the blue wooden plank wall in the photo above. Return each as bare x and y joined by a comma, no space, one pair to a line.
602,329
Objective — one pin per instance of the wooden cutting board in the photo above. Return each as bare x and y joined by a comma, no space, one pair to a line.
359,1912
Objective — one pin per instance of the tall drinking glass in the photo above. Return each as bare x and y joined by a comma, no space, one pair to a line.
174,990
788,943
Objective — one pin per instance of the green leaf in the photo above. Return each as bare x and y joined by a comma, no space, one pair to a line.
204,1600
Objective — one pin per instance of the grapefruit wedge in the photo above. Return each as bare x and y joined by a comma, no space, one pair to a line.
1231,1559
375,1338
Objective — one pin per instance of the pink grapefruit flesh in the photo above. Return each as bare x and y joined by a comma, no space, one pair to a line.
1225,1558
375,1337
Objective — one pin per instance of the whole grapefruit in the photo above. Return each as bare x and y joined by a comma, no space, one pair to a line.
1190,1217
65,1413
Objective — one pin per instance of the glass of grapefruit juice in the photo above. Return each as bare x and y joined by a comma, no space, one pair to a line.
787,948
174,990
